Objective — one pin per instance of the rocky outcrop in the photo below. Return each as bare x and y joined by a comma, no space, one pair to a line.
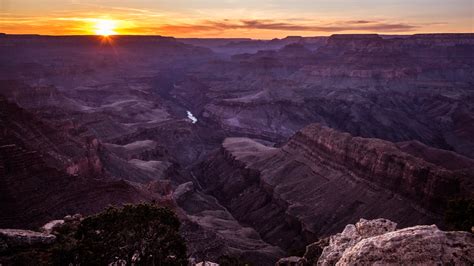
424,245
420,245
377,242
50,226
351,235
16,238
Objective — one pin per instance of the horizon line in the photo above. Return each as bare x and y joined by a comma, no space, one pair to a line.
246,38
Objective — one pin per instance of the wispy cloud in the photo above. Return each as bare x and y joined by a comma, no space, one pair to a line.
142,21
285,25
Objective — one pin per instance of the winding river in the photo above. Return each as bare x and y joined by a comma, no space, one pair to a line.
192,117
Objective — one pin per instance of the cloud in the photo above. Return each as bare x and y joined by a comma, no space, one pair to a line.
68,22
285,25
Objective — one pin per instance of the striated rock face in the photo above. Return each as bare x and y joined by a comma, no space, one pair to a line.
35,187
97,131
321,180
419,245
75,155
447,159
396,89
380,162
211,231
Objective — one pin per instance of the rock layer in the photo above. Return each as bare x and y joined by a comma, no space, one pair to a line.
379,162
35,187
322,180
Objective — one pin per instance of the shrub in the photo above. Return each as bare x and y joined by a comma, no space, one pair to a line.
141,234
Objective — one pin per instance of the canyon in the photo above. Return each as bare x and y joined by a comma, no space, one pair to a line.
261,147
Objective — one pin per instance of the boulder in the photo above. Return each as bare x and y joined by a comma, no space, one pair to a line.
351,235
16,238
418,245
376,242
183,190
50,226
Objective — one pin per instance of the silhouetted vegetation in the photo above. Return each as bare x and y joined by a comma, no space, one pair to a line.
460,214
142,234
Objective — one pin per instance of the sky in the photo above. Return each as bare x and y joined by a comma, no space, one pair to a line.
264,19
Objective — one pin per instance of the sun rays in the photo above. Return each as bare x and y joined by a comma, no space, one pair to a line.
105,27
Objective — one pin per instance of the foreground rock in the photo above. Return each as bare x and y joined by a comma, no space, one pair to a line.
351,235
376,242
419,245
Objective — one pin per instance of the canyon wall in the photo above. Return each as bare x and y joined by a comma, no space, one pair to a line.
322,179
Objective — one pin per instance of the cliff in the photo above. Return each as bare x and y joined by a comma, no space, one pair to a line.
321,180
380,162
46,174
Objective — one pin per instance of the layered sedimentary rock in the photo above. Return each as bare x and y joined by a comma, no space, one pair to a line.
322,180
38,185
381,163
119,115
211,231
397,89
46,174
447,159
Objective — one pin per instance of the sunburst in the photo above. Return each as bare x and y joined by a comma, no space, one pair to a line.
105,27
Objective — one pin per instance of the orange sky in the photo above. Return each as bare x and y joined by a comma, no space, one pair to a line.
231,18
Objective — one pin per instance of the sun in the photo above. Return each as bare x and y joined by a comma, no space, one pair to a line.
105,27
